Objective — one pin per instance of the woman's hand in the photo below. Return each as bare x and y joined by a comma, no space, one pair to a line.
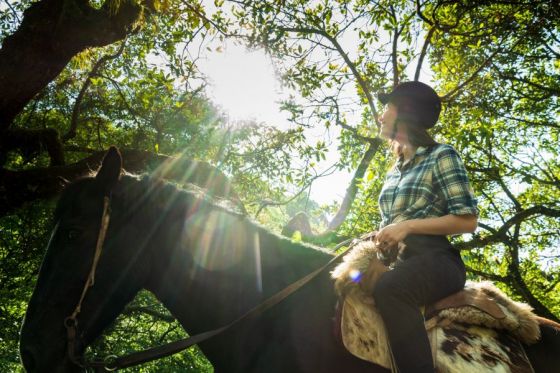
388,238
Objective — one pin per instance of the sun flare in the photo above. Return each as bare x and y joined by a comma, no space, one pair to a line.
243,83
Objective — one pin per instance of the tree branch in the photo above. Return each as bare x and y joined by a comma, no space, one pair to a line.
51,33
427,42
449,95
500,235
30,143
19,187
346,58
518,282
551,91
351,129
352,189
130,310
489,276
266,203
394,52
94,71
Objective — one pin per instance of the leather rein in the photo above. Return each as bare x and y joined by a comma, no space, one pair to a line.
113,362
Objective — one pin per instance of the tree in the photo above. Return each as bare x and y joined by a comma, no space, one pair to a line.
495,68
79,76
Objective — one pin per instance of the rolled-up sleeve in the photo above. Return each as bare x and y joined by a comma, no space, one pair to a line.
451,180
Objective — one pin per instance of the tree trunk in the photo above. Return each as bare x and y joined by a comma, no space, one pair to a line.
353,187
51,33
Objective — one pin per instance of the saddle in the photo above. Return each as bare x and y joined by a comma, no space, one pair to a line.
469,296
476,329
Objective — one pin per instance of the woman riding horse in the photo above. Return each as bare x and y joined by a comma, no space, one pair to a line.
426,197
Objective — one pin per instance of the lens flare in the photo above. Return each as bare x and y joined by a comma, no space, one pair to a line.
355,275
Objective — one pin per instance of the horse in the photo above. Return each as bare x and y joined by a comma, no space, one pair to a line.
206,263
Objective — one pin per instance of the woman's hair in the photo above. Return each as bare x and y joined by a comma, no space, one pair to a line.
417,136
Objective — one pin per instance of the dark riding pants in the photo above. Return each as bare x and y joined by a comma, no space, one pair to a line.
430,270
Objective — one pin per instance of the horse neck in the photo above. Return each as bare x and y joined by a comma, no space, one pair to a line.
209,265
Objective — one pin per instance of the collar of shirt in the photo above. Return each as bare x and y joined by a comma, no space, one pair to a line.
420,151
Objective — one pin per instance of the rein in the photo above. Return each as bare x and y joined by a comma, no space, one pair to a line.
112,362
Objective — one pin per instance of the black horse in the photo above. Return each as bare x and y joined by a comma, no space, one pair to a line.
206,264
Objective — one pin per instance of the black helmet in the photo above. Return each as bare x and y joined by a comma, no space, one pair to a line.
416,102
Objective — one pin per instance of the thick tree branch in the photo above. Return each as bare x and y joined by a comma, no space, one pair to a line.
394,52
500,235
19,187
51,33
353,187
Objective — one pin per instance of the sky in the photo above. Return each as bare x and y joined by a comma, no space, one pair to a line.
243,84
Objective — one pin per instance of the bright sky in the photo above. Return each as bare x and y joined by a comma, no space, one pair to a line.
244,84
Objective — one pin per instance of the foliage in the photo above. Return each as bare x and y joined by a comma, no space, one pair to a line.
495,65
22,241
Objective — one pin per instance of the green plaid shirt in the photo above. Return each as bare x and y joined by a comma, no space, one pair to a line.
433,183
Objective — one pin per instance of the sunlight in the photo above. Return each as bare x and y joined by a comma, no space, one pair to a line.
243,83
258,266
219,239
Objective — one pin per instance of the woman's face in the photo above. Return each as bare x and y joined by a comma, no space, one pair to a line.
387,120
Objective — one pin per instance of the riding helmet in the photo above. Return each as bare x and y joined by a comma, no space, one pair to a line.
416,102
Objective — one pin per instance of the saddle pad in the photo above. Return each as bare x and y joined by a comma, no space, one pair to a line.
363,332
460,348
456,348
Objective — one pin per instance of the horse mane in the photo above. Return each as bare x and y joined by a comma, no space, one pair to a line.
156,195
148,189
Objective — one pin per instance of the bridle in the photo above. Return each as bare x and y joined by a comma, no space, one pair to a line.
71,322
113,362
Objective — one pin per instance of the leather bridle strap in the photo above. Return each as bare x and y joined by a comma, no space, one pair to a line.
145,356
71,322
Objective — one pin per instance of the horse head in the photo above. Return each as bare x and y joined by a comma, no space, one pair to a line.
65,269
160,238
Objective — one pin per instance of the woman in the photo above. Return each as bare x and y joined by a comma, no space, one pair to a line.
426,197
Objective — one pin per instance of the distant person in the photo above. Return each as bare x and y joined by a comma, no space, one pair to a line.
426,196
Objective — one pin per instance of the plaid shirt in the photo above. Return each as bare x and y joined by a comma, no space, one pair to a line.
433,183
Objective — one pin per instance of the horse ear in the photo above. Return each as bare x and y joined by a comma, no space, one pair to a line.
110,171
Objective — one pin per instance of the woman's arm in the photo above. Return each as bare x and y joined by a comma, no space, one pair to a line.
392,234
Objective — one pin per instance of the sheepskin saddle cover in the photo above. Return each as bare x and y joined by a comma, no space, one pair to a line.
464,338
